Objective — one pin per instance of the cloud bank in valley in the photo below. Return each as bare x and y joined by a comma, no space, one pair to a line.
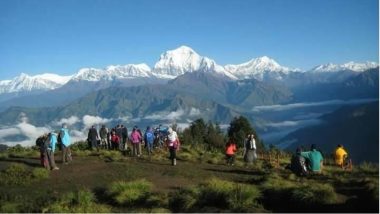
32,132
311,104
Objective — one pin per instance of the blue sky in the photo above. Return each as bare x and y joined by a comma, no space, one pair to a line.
38,36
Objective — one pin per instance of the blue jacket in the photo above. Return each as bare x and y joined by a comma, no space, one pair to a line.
149,136
65,137
53,141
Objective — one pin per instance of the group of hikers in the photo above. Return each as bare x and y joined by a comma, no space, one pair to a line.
311,162
47,145
302,162
115,139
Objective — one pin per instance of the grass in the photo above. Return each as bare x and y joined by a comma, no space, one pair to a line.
314,194
82,201
15,174
40,173
127,193
222,195
186,187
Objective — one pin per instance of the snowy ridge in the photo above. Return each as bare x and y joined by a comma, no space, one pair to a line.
350,66
25,82
113,72
259,68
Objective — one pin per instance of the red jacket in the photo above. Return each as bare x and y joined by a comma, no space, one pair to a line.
231,149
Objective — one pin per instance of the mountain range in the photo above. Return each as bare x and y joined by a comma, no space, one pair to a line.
172,64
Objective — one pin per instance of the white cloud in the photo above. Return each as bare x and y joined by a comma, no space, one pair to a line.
312,104
89,120
30,131
166,115
295,123
68,121
194,112
9,132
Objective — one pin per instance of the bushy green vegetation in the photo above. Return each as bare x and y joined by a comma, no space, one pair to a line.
18,174
22,152
217,195
40,173
314,194
129,193
82,201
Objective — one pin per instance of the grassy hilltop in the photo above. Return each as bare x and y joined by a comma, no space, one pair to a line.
109,181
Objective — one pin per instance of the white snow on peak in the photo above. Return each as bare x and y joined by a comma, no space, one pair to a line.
24,83
349,66
113,72
176,62
259,68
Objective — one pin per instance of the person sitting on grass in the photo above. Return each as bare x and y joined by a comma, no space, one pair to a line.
298,163
340,156
314,158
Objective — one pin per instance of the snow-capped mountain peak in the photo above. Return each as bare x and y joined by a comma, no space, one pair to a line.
349,66
176,62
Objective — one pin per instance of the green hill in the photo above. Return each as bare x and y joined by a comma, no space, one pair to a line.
356,127
108,181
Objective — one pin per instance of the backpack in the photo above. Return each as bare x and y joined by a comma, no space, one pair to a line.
149,136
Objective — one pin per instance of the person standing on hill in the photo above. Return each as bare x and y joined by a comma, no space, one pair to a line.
50,150
250,150
42,143
173,144
124,133
103,137
119,133
135,138
314,158
115,140
340,155
65,139
93,138
230,152
149,138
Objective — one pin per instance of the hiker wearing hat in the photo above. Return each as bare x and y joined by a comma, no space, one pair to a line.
173,144
65,139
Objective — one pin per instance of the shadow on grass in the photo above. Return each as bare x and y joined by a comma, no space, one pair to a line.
237,171
23,161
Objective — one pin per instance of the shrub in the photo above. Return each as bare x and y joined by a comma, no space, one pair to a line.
111,155
40,173
369,168
10,207
129,192
229,195
314,194
183,200
82,201
15,174
372,188
79,146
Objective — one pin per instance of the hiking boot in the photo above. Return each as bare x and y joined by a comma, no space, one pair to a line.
55,168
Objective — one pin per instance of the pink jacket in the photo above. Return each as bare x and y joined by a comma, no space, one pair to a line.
135,137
